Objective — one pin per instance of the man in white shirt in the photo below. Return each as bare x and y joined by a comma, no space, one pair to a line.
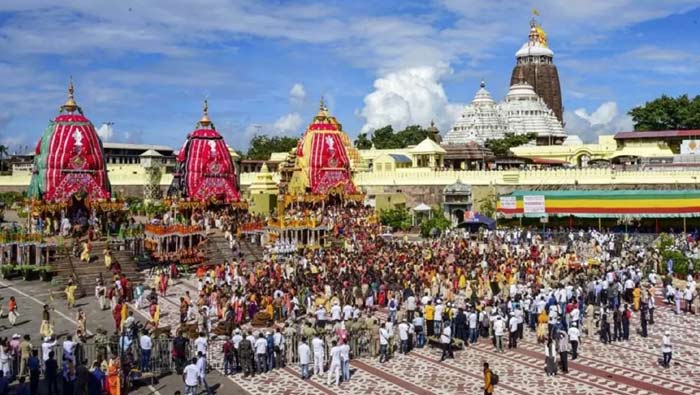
200,343
191,377
146,345
403,336
513,332
335,364
278,344
410,307
437,318
446,341
335,312
320,316
473,326
347,312
202,370
383,343
304,358
345,360
319,351
574,335
261,353
498,330
69,348
666,349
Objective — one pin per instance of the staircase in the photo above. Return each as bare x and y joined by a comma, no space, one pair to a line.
217,249
84,274
251,251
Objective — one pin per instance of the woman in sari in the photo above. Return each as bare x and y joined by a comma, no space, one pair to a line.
70,294
114,376
81,329
542,321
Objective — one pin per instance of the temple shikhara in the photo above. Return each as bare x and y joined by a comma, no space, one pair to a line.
205,170
323,159
69,159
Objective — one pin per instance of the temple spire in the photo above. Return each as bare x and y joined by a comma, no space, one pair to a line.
70,104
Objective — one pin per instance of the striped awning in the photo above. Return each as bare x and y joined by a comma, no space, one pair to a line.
606,204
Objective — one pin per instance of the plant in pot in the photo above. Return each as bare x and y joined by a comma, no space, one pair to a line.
29,272
46,272
8,271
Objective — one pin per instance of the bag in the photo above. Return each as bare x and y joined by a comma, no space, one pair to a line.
494,378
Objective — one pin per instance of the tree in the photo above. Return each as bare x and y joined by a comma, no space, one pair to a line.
262,146
667,113
435,225
398,218
385,138
3,156
501,147
362,142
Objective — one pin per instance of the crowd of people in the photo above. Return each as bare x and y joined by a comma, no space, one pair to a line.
376,297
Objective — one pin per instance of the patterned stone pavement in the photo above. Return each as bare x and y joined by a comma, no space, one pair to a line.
620,368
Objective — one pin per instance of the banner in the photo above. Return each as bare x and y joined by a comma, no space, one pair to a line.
507,202
533,204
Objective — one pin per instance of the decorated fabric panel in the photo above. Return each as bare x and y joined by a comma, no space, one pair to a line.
329,166
209,170
74,161
37,185
300,146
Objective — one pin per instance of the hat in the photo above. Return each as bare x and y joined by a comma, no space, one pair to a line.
47,339
15,336
667,333
237,330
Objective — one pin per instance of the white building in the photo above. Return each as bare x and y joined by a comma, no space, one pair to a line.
521,112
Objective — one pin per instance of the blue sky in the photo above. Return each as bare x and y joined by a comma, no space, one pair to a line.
147,65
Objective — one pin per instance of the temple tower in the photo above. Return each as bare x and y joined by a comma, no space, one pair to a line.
535,64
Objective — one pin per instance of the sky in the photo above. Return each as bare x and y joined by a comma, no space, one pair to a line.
146,66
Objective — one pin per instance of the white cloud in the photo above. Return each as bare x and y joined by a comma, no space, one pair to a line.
606,119
105,131
605,113
297,95
287,124
412,96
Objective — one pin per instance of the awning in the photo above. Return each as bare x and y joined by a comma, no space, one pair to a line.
422,207
480,219
603,204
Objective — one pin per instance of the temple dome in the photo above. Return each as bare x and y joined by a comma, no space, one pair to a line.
205,169
69,159
536,44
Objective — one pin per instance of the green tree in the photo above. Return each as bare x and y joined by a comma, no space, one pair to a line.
667,113
398,218
363,142
384,138
501,147
437,223
261,146
412,135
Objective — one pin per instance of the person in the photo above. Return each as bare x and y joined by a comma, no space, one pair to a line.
245,350
51,374
34,366
304,358
202,369
85,254
666,349
550,355
319,351
574,334
334,369
278,346
190,375
446,342
488,382
114,375
403,336
345,360
498,330
261,353
179,352
383,343
146,344
100,292
563,351
70,294
12,311
201,344
228,350
46,329
513,332
25,351
96,380
22,388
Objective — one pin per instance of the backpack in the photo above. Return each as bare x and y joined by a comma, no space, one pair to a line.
494,378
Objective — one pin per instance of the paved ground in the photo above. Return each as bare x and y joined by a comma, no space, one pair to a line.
621,368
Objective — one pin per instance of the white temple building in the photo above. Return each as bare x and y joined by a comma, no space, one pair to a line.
522,112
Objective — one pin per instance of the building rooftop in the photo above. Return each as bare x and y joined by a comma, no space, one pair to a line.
659,134
401,158
144,147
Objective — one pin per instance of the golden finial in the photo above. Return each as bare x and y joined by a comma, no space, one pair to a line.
205,121
322,110
70,104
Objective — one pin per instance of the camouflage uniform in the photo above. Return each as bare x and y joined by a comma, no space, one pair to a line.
290,343
245,348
